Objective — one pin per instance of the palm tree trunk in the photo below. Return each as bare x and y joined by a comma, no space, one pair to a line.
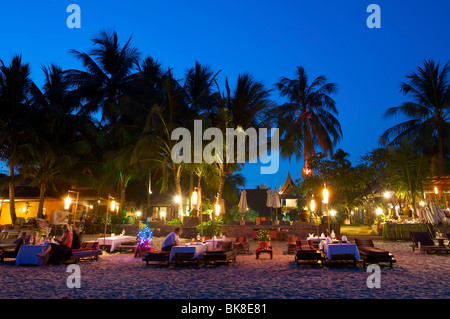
12,207
147,208
179,192
122,199
41,201
440,154
223,176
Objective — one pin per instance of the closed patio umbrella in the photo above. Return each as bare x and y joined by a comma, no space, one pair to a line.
243,203
269,198
438,214
276,201
269,201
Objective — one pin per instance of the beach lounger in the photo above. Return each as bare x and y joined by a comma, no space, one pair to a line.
10,253
262,249
305,250
292,244
241,245
88,250
370,254
128,246
220,255
185,258
157,258
427,243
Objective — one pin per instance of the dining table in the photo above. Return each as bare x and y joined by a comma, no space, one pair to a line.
114,241
27,254
315,238
339,248
214,242
198,249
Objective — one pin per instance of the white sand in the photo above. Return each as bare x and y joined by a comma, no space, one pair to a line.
119,275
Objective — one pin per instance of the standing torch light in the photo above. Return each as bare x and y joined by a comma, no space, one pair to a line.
379,212
194,200
217,213
67,202
312,207
111,207
326,194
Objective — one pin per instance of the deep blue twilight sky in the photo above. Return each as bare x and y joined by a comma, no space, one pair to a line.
267,38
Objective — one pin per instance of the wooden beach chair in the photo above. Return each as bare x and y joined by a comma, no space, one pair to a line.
10,253
427,243
241,245
305,250
223,254
292,244
88,250
370,254
261,249
160,257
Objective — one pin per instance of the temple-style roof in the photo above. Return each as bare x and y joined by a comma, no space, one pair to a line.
286,189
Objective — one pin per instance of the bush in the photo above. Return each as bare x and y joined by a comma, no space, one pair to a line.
263,235
175,221
208,227
233,214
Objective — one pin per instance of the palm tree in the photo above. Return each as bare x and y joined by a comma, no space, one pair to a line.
15,119
427,113
61,138
199,84
108,76
408,171
307,120
248,105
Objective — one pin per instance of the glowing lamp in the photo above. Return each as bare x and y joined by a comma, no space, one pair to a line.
325,194
436,191
163,214
387,195
312,205
67,202
333,213
217,209
138,214
379,211
113,205
194,198
177,199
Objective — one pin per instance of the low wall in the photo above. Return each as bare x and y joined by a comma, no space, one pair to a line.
302,229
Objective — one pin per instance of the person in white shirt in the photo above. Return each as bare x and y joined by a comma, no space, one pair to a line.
172,239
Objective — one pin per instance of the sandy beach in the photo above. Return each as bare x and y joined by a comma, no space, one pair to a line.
119,275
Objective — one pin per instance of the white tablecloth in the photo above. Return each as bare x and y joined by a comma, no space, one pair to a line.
115,241
27,254
335,249
315,238
214,244
197,249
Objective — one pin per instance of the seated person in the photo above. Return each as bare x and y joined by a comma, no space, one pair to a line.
24,239
62,246
76,243
35,238
172,239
